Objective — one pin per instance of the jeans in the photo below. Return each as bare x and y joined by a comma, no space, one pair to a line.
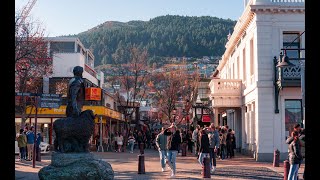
163,156
201,156
131,144
293,172
213,155
22,153
172,155
222,151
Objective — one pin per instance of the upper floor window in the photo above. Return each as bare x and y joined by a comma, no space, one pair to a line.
291,42
62,47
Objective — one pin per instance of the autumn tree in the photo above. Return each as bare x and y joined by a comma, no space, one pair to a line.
129,81
31,62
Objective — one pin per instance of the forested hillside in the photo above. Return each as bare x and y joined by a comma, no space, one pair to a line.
163,36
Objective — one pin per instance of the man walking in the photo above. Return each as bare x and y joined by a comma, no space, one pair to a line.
161,143
214,143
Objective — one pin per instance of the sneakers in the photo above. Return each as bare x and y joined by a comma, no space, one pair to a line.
164,169
172,174
213,170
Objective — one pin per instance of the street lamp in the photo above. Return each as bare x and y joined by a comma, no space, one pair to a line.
286,63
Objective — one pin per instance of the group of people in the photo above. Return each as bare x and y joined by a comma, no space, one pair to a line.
208,142
26,139
224,137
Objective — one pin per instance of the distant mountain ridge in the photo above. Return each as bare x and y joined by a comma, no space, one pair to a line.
163,36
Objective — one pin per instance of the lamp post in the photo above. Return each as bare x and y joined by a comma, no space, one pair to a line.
174,112
286,63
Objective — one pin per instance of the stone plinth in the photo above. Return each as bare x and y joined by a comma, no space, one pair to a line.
76,166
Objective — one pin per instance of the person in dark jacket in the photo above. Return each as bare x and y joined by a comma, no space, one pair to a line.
295,156
229,143
173,141
214,143
204,146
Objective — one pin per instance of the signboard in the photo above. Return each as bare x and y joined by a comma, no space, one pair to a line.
206,118
50,101
93,93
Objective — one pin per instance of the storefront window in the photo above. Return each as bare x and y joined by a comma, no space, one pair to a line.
293,114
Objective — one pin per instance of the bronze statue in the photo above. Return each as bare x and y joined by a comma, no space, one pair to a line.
75,94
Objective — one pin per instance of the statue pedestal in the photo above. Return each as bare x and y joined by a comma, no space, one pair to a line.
76,166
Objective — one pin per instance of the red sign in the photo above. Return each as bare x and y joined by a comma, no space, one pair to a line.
206,118
93,93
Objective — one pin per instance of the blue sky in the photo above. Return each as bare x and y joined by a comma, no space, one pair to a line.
63,17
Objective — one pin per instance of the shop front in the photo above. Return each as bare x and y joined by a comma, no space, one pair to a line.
108,119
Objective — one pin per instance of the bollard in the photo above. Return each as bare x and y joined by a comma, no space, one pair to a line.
276,155
141,146
286,167
141,167
206,168
184,149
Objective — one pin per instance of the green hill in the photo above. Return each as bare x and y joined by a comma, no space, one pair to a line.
163,36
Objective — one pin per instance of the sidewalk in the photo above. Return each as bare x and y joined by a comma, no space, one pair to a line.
125,166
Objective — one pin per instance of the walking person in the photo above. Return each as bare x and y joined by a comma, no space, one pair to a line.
30,143
131,141
173,141
119,142
214,142
295,156
229,143
161,143
22,144
195,140
204,147
223,143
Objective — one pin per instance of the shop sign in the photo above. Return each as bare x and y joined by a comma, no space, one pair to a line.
206,118
93,93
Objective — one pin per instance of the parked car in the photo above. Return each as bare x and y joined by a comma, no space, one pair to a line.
45,147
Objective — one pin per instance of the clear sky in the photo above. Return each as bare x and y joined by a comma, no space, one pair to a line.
64,17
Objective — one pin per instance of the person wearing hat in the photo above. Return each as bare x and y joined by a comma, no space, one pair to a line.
173,139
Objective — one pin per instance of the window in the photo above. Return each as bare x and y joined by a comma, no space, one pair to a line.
293,114
251,57
291,40
62,47
238,68
244,64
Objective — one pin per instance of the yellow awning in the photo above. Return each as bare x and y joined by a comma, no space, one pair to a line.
99,110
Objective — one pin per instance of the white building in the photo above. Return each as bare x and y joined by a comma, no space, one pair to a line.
260,101
68,52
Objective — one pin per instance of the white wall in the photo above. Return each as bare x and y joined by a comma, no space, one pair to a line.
63,64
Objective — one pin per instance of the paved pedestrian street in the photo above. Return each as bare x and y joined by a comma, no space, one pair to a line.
125,166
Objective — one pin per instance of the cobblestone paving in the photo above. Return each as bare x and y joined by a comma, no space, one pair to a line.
125,166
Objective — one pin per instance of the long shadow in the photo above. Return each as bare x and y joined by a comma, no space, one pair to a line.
148,175
26,175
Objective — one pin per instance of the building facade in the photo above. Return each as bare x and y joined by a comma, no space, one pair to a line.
66,53
249,93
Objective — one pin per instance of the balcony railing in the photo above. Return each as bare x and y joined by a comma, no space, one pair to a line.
290,76
278,2
225,87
